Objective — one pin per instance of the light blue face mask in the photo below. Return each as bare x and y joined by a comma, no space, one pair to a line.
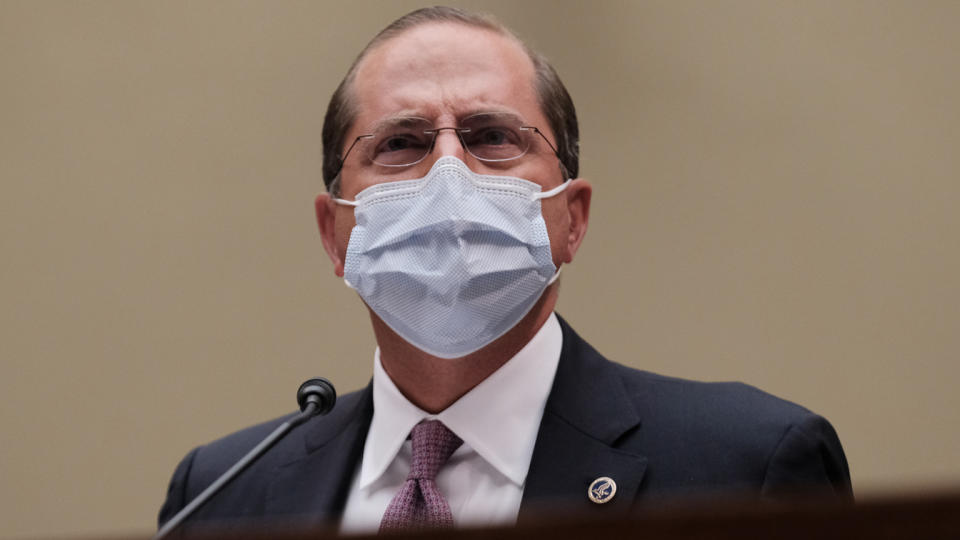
453,260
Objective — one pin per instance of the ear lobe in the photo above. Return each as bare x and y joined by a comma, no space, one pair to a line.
578,208
326,211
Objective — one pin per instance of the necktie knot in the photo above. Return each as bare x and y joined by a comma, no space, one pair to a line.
419,503
432,445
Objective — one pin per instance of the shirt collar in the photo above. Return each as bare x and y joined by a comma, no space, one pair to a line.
499,418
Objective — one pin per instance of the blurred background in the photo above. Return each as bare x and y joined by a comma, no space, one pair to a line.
775,202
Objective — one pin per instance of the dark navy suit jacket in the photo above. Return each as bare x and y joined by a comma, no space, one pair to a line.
657,437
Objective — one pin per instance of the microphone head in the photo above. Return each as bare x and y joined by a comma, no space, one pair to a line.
317,390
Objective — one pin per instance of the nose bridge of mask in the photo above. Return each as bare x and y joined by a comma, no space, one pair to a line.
451,164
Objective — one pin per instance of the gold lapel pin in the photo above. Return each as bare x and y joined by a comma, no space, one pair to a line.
602,490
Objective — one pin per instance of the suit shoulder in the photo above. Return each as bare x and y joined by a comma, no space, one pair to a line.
247,495
683,402
712,398
695,436
726,418
212,459
737,435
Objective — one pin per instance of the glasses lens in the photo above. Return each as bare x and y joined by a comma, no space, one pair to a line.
494,137
403,143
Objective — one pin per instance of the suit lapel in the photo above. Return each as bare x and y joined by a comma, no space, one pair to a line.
316,483
587,412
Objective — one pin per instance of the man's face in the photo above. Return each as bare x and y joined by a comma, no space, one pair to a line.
445,72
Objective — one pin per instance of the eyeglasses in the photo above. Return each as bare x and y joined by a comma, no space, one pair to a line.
489,137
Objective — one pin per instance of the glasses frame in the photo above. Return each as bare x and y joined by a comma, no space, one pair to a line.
459,131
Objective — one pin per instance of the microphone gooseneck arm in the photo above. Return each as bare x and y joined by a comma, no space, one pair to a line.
315,396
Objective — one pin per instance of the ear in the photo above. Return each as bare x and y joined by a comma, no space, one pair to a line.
327,223
578,208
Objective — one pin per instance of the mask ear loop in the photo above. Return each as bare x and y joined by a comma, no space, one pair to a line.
344,202
554,278
546,195
537,195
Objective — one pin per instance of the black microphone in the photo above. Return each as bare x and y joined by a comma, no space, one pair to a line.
319,392
315,396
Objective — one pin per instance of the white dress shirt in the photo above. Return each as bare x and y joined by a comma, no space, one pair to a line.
498,421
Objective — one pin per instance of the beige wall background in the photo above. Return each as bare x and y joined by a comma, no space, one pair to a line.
776,191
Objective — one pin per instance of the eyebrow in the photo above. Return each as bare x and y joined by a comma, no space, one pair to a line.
405,119
496,114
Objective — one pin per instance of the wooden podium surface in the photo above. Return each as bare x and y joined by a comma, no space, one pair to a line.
931,517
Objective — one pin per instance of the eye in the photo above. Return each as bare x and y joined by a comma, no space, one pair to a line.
400,148
398,142
495,142
493,136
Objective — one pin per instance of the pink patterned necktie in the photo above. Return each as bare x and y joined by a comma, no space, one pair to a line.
419,503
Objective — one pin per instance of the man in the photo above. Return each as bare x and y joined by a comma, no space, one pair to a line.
450,157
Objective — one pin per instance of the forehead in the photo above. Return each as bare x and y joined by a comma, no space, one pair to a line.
444,72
